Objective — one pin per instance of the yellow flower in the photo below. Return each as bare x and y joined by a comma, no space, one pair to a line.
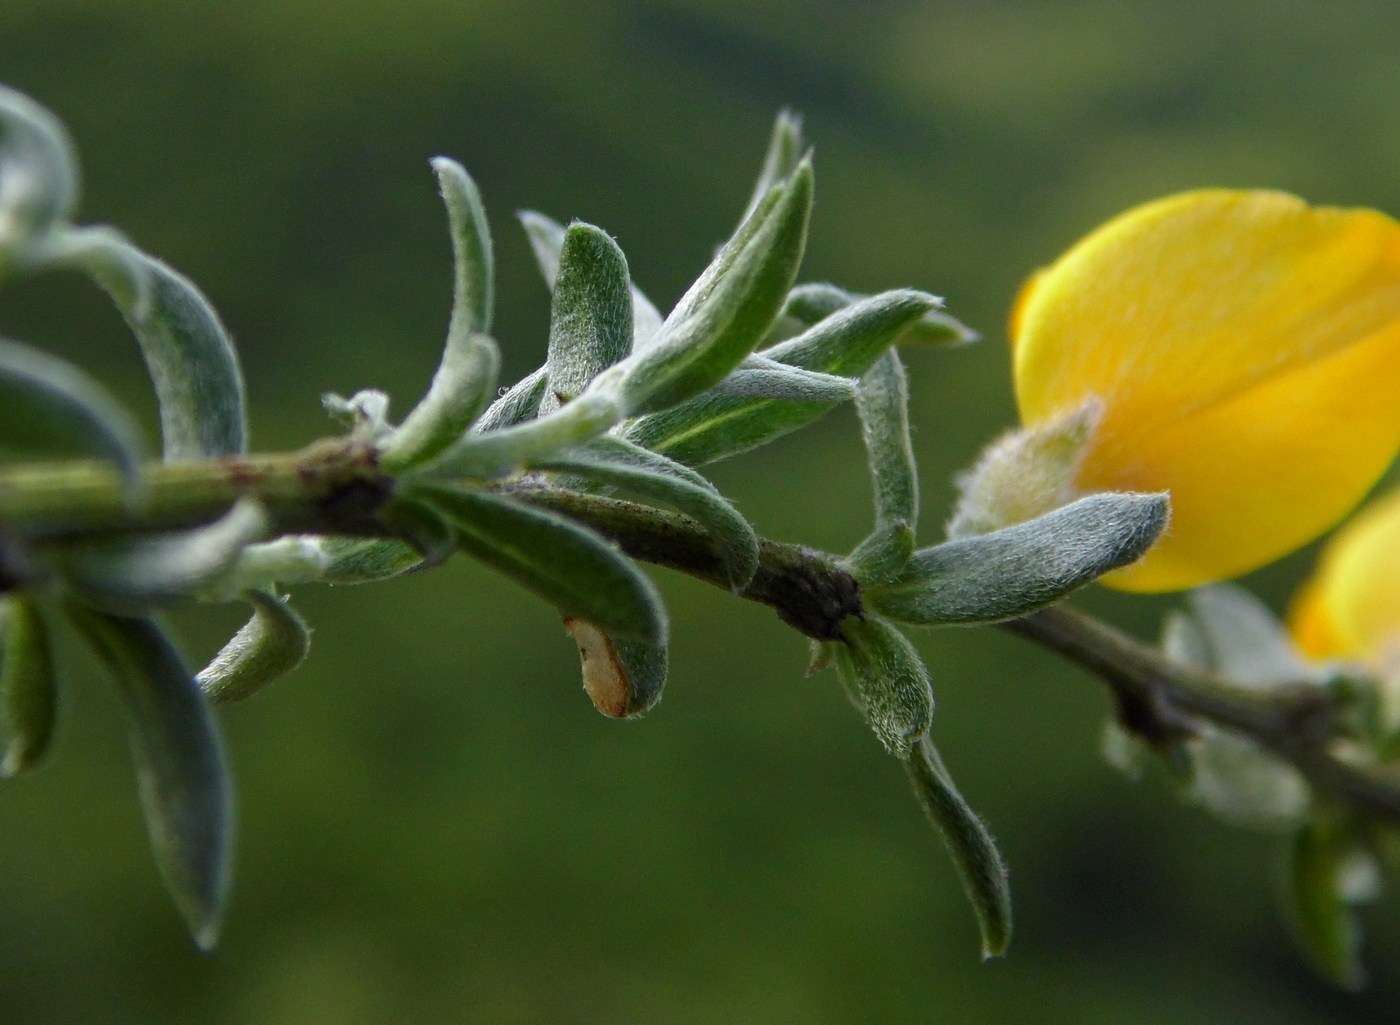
1245,349
1350,606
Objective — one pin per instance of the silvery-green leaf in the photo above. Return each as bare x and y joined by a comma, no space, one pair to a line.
890,681
713,426
1183,641
1015,571
27,681
726,313
882,556
1321,906
547,239
266,648
474,283
590,323
501,452
974,852
363,561
461,389
613,461
569,566
784,154
882,403
466,376
809,304
519,403
49,406
761,378
293,559
189,355
180,771
1248,644
136,575
623,678
38,173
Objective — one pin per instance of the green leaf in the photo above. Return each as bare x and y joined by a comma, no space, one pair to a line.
38,173
1247,642
882,403
729,308
28,682
266,648
1321,904
466,376
48,406
590,325
363,561
810,304
889,679
521,402
189,355
180,771
1015,571
474,283
715,426
569,566
784,153
761,378
132,576
613,461
547,240
623,678
974,852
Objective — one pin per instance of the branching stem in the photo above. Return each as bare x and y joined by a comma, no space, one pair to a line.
335,487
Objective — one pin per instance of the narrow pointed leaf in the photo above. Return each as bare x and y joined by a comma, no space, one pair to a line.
613,461
1248,644
882,403
974,853
188,353
180,770
466,376
720,320
761,378
38,172
1017,570
352,560
474,283
266,648
28,683
785,148
890,680
567,565
49,406
520,402
547,240
623,678
134,576
810,304
713,426
590,325
1323,917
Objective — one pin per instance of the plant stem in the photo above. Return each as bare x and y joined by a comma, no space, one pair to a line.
1159,698
334,486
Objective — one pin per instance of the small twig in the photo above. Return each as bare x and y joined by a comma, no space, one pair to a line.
1295,723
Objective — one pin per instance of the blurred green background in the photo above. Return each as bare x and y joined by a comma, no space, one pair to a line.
434,823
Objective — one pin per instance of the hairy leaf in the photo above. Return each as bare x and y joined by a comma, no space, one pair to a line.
889,679
623,678
784,153
590,325
566,564
1015,571
519,403
180,770
266,648
38,173
882,403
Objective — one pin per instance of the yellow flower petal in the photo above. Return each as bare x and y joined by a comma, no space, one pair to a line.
1350,607
1246,348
